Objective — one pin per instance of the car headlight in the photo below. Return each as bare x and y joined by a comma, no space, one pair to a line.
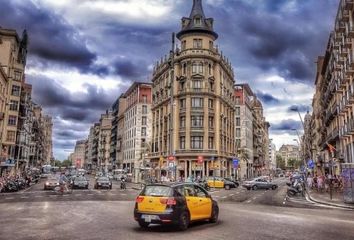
47,183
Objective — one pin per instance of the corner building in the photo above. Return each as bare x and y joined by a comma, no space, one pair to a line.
202,124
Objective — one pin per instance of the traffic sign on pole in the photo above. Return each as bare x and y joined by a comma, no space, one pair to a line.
200,159
171,158
235,162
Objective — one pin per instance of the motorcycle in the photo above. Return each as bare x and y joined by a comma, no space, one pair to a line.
11,186
295,188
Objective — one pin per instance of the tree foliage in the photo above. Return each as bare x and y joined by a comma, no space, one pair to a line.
280,162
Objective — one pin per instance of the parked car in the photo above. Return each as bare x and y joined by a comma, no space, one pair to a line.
259,183
103,182
177,204
51,183
80,182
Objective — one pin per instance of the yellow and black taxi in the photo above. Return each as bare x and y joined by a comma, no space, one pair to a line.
218,182
176,203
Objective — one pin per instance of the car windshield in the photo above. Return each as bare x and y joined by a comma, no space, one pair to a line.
103,179
157,191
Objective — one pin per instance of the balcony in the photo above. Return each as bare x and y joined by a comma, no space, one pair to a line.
340,27
349,30
348,4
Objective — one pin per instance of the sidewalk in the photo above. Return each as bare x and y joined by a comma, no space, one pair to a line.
324,198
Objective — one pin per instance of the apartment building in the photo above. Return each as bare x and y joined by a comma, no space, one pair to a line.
78,158
244,129
13,53
137,128
104,141
3,103
193,105
287,151
334,98
261,159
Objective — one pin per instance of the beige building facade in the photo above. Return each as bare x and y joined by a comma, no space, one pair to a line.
193,110
13,51
78,158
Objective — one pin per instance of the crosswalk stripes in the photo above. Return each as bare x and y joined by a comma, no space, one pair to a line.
301,201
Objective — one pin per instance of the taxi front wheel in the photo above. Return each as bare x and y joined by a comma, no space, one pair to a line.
183,222
214,215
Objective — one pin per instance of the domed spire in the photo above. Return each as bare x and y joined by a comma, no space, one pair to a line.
197,22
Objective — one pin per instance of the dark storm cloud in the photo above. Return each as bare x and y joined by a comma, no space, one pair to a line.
299,107
267,98
270,36
78,106
286,125
51,38
129,69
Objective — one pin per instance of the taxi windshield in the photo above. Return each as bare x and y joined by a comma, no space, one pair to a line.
157,191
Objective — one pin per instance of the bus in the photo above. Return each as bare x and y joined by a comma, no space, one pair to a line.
46,170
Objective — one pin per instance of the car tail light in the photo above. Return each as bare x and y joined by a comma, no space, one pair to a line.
139,199
168,201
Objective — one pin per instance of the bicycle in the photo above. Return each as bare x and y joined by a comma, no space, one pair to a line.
61,189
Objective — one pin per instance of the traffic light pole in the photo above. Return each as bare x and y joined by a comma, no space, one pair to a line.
172,66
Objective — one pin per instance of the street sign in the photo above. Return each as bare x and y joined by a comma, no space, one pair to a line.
200,159
212,158
235,162
171,164
311,164
171,158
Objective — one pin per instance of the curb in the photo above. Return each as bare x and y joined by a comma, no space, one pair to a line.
327,203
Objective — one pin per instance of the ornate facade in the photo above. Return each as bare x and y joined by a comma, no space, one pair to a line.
193,108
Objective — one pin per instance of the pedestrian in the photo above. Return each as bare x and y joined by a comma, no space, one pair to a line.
320,183
309,181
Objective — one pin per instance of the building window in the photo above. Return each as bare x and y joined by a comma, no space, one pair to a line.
13,105
197,21
196,142
238,132
238,143
183,45
238,122
211,45
16,90
181,86
182,103
211,103
211,122
211,143
197,84
238,100
144,99
197,102
194,68
211,86
209,69
143,131
200,68
143,120
144,109
197,43
17,75
237,111
182,142
182,122
10,136
197,121
184,69
12,120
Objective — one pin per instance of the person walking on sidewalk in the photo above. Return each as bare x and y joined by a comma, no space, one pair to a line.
309,181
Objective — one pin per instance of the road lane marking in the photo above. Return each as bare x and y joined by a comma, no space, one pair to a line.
124,194
224,197
24,197
249,201
216,196
78,194
38,196
8,198
254,198
231,195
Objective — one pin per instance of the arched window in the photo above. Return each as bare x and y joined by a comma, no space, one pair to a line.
209,69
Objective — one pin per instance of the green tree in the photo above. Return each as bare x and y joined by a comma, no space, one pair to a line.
280,162
66,163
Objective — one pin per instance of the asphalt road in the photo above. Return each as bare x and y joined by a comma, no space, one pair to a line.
108,214
114,220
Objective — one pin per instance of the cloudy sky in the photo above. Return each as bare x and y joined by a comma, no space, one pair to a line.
84,53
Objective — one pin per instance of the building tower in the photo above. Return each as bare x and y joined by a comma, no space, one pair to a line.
201,125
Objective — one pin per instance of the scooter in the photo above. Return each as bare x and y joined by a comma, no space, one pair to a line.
295,189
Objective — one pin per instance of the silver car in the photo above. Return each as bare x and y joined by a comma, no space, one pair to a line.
259,183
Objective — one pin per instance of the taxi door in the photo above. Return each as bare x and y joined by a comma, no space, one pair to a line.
192,201
204,203
210,182
219,183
